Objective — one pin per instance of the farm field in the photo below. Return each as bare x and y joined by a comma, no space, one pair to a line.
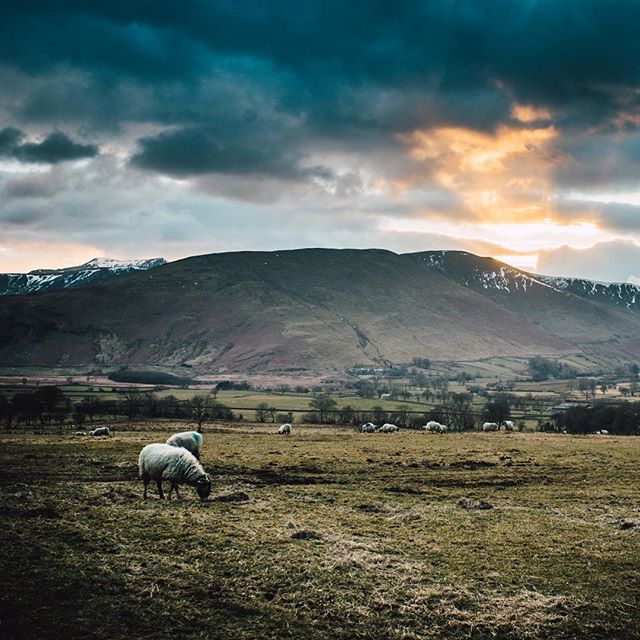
327,533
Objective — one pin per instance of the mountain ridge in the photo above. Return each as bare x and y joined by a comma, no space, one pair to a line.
315,310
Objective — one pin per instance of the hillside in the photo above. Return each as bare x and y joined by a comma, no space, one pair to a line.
92,272
311,309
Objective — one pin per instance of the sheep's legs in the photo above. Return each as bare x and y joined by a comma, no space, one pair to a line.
145,479
160,492
173,487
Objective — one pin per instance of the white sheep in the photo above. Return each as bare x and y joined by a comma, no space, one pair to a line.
435,427
285,429
388,428
368,427
602,432
508,425
100,431
190,440
161,461
490,426
79,433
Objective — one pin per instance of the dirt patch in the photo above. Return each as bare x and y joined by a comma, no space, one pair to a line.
264,477
307,534
44,511
471,464
234,496
482,505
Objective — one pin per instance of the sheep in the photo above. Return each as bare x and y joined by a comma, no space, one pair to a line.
285,429
100,431
368,427
190,440
602,432
490,426
508,425
161,461
435,427
388,428
79,433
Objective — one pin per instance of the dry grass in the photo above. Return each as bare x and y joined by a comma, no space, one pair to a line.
324,534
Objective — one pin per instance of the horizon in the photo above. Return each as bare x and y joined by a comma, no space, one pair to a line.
433,126
632,281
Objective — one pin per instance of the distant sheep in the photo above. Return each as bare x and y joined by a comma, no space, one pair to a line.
368,427
100,431
79,433
190,440
285,429
508,425
435,427
490,426
602,432
177,465
388,428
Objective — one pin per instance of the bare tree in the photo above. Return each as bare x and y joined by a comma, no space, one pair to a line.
200,408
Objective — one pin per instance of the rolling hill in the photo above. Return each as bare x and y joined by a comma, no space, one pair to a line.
317,310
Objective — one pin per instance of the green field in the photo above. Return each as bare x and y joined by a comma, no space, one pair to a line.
324,534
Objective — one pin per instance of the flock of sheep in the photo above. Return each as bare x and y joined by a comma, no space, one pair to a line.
434,427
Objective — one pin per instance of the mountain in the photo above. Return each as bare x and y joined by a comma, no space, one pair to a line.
92,272
315,310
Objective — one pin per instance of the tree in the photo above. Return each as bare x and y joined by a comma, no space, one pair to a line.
497,409
200,408
379,414
262,412
323,404
347,415
603,386
90,406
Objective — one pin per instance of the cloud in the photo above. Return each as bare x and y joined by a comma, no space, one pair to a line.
343,117
616,261
56,147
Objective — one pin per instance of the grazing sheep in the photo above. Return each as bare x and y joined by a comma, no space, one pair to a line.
602,432
508,425
490,426
100,431
285,429
79,433
368,427
388,428
177,465
190,440
435,427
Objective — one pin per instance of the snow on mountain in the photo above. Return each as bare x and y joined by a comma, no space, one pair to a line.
489,275
91,272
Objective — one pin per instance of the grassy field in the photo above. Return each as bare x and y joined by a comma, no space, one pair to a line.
324,534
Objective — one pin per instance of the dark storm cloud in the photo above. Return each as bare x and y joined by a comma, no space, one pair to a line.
195,151
56,147
348,69
267,89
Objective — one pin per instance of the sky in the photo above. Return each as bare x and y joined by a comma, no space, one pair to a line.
135,129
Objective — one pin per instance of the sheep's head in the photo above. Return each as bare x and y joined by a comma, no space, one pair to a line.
203,486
